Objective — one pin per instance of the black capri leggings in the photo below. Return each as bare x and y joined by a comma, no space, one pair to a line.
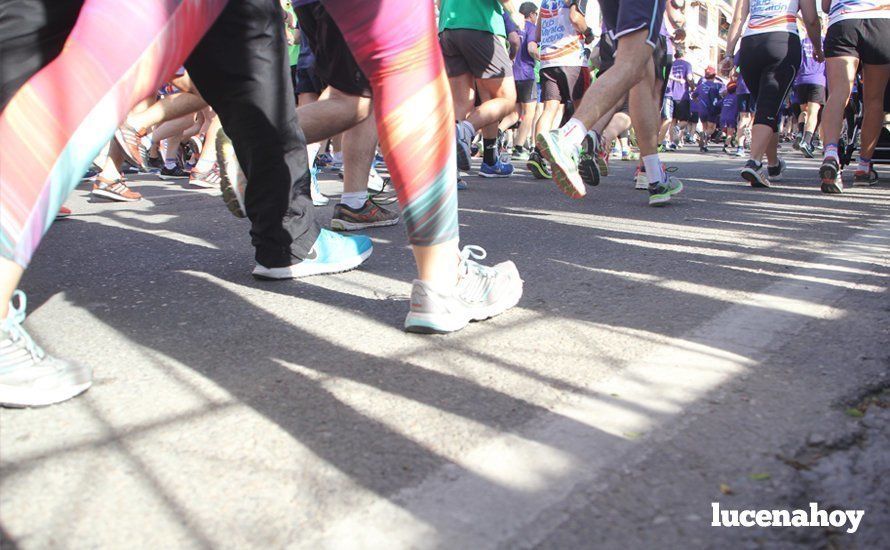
769,63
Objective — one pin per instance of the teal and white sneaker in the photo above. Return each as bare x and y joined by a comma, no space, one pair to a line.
480,293
232,181
660,194
563,158
331,253
318,199
28,376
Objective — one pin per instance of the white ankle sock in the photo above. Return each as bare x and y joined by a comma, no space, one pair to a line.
354,200
653,168
204,165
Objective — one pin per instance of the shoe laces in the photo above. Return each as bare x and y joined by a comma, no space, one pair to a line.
12,326
470,253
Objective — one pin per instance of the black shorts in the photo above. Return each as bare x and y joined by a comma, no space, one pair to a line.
526,91
746,103
867,39
693,117
334,63
810,93
769,63
308,82
562,84
480,53
681,109
622,17
661,58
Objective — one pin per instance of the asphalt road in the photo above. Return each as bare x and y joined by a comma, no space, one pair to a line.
656,355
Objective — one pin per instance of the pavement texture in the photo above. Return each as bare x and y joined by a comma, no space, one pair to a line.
731,347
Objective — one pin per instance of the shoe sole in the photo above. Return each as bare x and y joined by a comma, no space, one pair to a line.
112,196
828,176
641,186
342,225
484,175
304,269
558,174
119,137
427,323
603,167
168,177
864,183
589,172
751,177
807,153
537,170
19,398
203,185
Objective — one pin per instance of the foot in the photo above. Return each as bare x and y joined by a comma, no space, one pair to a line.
775,172
661,193
520,154
499,170
369,215
480,293
537,166
115,190
232,181
154,164
703,148
587,165
207,180
641,180
563,159
807,149
754,174
134,143
173,173
865,178
28,376
461,184
331,253
830,174
464,137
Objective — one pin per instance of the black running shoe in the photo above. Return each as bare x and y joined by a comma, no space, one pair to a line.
830,174
587,167
538,166
775,172
173,173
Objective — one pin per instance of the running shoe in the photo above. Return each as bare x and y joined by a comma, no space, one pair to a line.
674,146
625,155
661,193
797,143
703,148
739,152
318,198
775,172
520,154
537,166
830,174
64,212
154,164
461,184
368,216
208,180
563,158
331,253
602,162
464,136
134,143
499,170
196,145
753,173
807,149
28,376
587,165
232,181
173,173
481,292
865,178
115,190
641,180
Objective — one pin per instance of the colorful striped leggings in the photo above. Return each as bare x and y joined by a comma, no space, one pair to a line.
119,52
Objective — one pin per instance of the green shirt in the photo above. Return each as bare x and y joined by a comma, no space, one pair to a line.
293,51
480,15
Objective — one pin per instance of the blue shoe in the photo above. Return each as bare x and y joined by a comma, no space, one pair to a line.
499,170
331,253
461,184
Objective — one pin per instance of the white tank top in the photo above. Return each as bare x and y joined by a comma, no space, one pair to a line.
560,45
858,9
772,16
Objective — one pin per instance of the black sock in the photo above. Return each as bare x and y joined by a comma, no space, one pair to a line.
490,151
800,127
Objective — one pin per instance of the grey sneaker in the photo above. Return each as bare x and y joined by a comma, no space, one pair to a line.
775,172
233,182
754,174
464,137
481,292
660,194
28,376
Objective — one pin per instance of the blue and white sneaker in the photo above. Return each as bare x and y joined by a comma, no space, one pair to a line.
318,199
461,184
499,170
480,292
331,253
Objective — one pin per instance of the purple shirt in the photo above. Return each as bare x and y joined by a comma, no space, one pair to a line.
811,71
730,111
707,97
524,63
677,88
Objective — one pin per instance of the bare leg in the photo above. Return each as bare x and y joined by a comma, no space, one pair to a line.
359,146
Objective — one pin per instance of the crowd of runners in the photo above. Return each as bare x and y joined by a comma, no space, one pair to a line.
255,97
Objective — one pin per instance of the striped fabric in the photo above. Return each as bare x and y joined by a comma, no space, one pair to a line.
118,53
395,44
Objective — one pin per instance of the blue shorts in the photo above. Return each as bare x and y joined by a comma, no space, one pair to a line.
623,17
